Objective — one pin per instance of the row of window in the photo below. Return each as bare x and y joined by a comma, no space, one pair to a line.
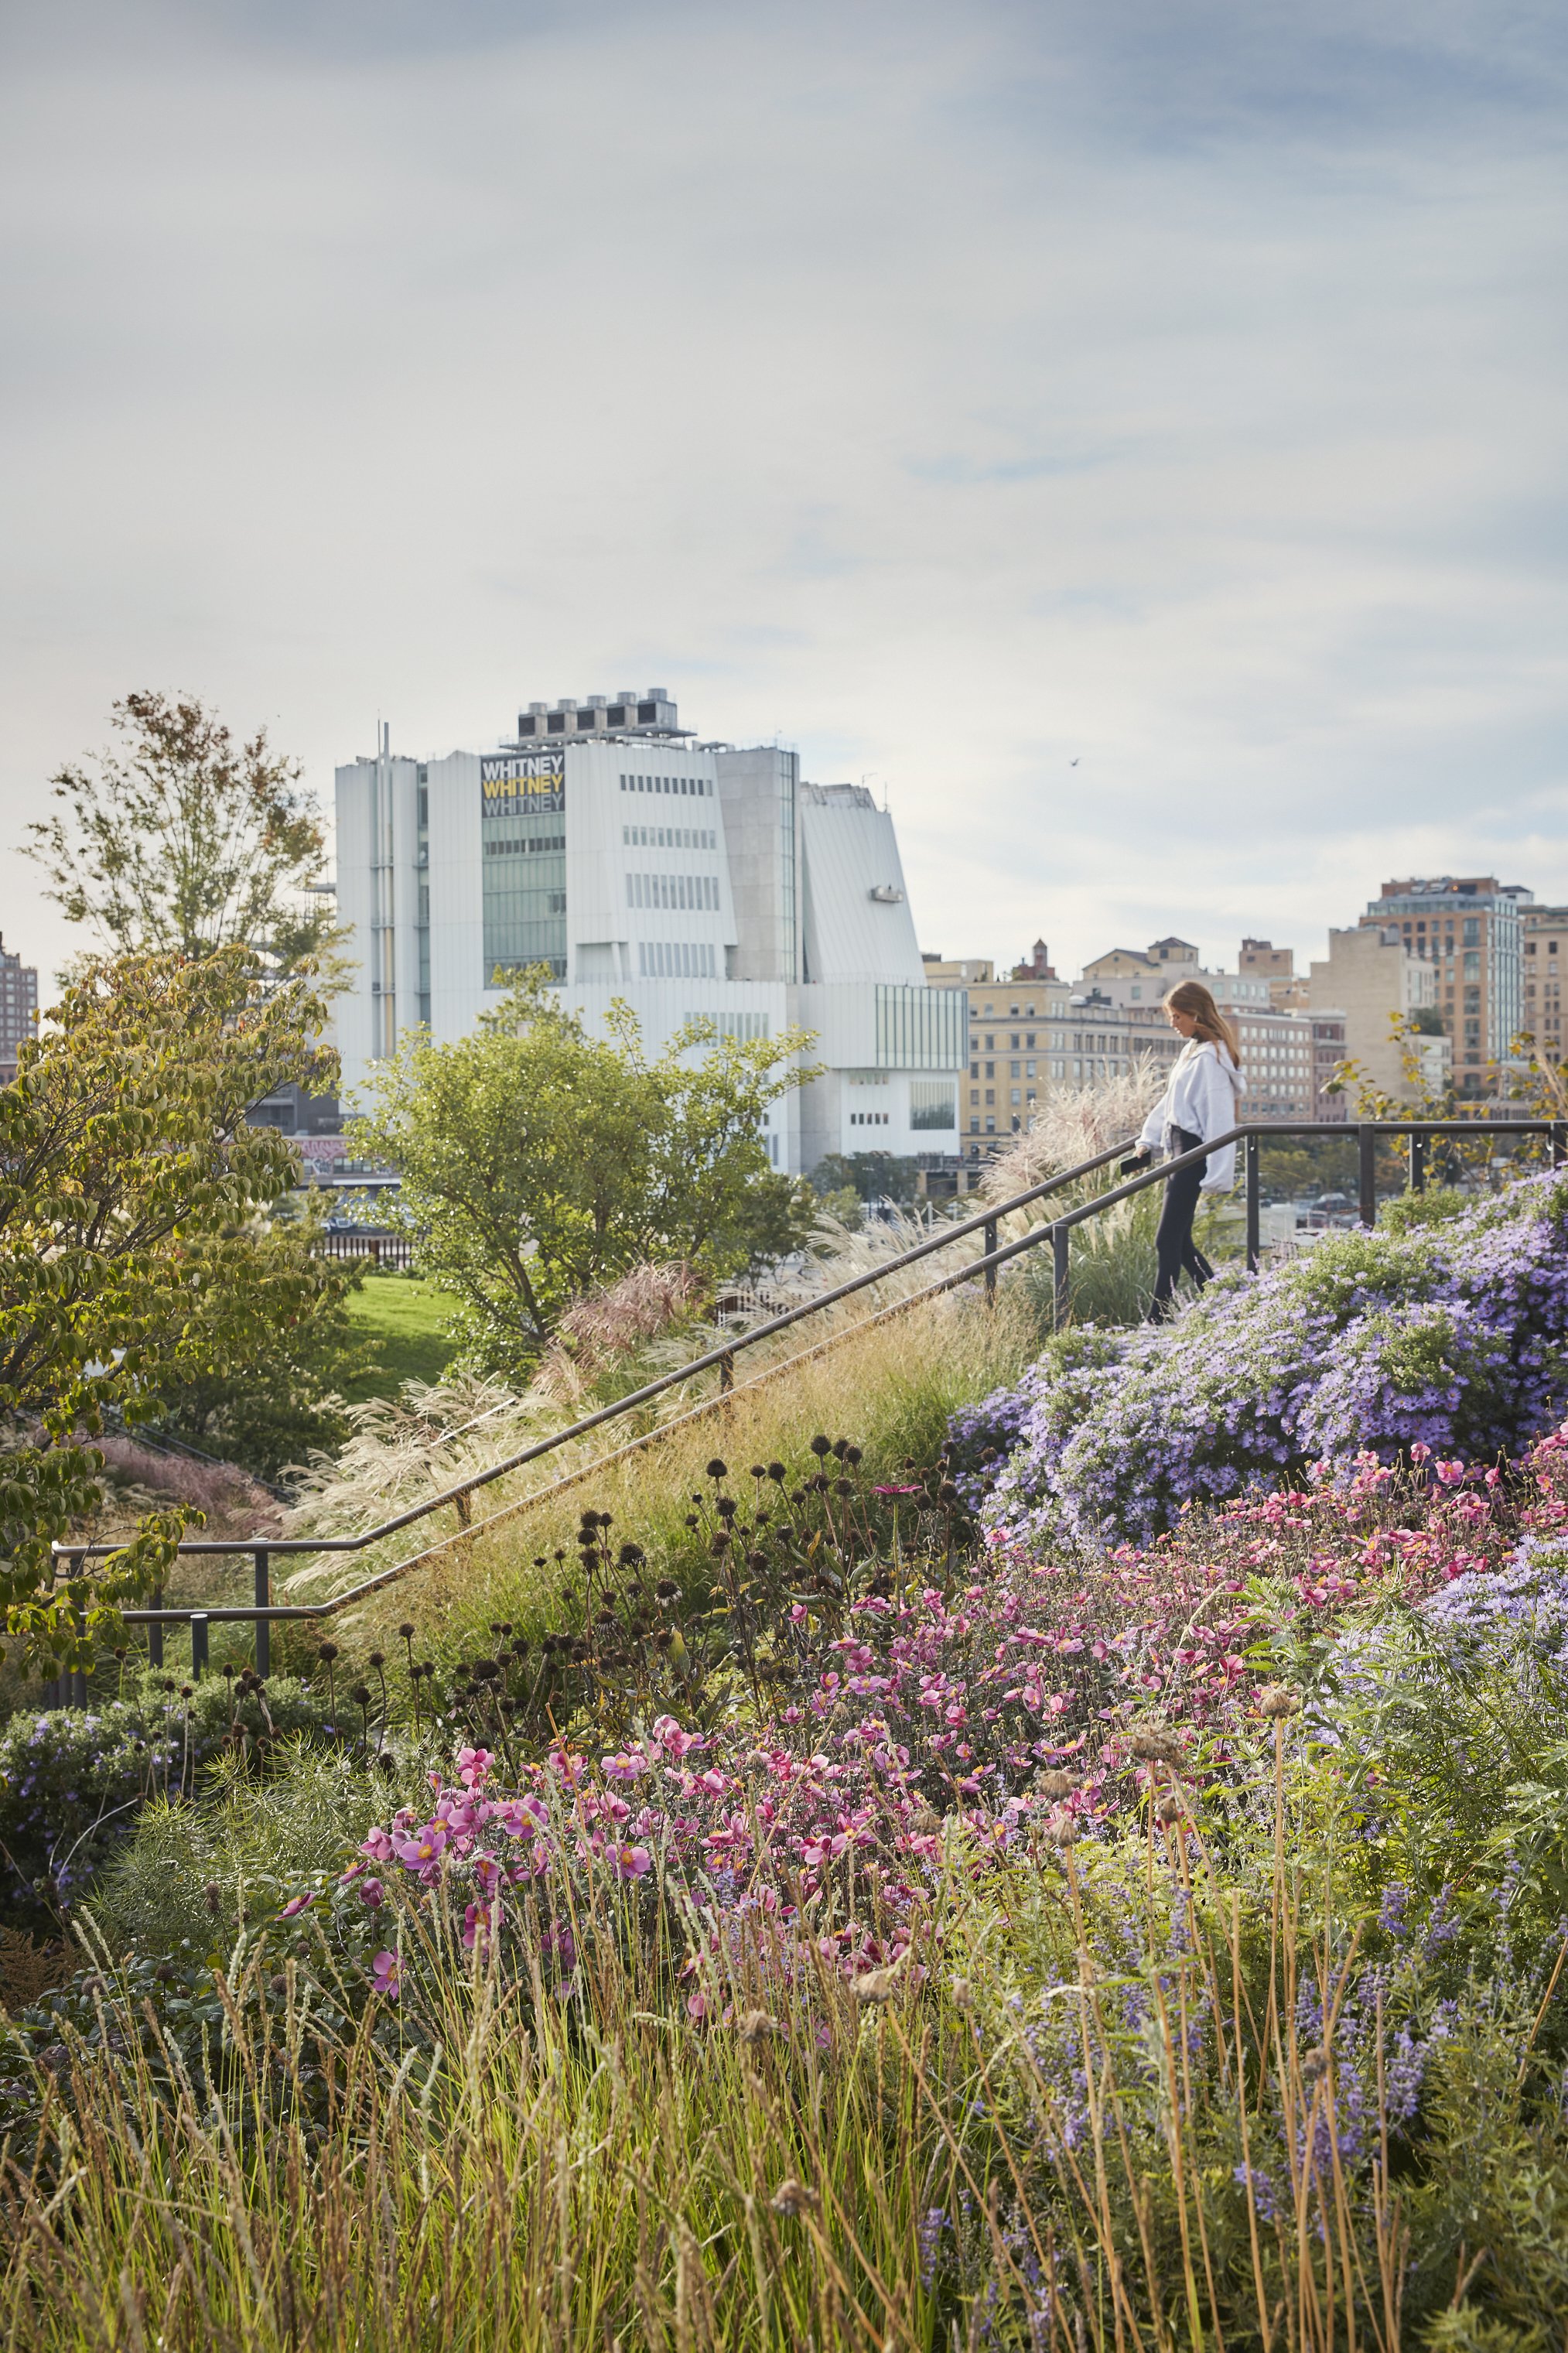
1440,941
668,837
544,841
742,1027
676,960
682,891
699,787
869,1118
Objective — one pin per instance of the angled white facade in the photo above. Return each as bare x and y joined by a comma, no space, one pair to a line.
682,877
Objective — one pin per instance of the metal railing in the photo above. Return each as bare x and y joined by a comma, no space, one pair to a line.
263,1611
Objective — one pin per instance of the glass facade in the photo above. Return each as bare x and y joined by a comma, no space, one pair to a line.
933,1104
787,868
921,1028
523,843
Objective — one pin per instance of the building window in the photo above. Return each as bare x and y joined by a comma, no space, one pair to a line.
676,960
743,1025
678,891
932,1103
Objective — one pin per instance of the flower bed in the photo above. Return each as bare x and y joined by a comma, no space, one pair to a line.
1454,1337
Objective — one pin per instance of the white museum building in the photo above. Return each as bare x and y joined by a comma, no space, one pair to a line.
607,843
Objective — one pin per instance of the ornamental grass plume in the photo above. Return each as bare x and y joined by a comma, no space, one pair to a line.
1072,1124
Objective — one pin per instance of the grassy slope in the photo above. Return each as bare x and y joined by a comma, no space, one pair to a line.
408,1321
891,1389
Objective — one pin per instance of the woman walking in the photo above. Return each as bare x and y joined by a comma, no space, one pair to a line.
1199,1101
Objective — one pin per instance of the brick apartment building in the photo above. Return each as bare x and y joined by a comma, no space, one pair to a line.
1545,951
1471,928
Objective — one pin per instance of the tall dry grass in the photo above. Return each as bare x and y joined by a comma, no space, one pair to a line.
1114,2101
891,1387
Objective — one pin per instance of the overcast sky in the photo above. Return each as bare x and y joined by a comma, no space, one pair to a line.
957,391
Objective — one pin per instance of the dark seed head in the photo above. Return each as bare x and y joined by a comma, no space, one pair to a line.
820,1445
327,1653
716,1470
376,1659
406,1631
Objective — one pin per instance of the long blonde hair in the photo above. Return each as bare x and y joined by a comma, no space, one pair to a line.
1209,1023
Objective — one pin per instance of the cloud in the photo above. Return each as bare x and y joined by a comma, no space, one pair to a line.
957,391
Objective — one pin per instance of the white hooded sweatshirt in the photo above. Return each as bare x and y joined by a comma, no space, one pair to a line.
1201,1095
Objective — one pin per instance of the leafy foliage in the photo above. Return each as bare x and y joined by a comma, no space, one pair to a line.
540,1162
268,1392
870,1176
181,840
129,1260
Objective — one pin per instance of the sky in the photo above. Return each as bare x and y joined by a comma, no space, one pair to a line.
1128,435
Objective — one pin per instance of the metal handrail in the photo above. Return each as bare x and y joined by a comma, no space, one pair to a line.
1251,1136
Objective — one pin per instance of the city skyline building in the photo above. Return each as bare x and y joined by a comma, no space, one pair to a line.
1470,929
18,1008
632,861
1545,954
1372,979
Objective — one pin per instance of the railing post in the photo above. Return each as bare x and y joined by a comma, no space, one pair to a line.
199,1644
263,1600
1559,1142
155,1632
1366,1139
989,1239
73,1683
1418,1164
75,1690
726,1372
1251,1162
1061,1240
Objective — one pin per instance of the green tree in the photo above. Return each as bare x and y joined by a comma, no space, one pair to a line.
129,1187
539,1162
179,839
269,1393
872,1175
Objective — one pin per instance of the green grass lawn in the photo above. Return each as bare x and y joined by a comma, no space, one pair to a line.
408,1320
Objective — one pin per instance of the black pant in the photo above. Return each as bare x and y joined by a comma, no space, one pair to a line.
1174,1244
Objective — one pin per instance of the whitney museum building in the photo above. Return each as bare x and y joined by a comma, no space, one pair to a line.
608,844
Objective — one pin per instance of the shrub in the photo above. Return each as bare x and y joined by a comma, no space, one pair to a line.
1454,1337
72,1781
